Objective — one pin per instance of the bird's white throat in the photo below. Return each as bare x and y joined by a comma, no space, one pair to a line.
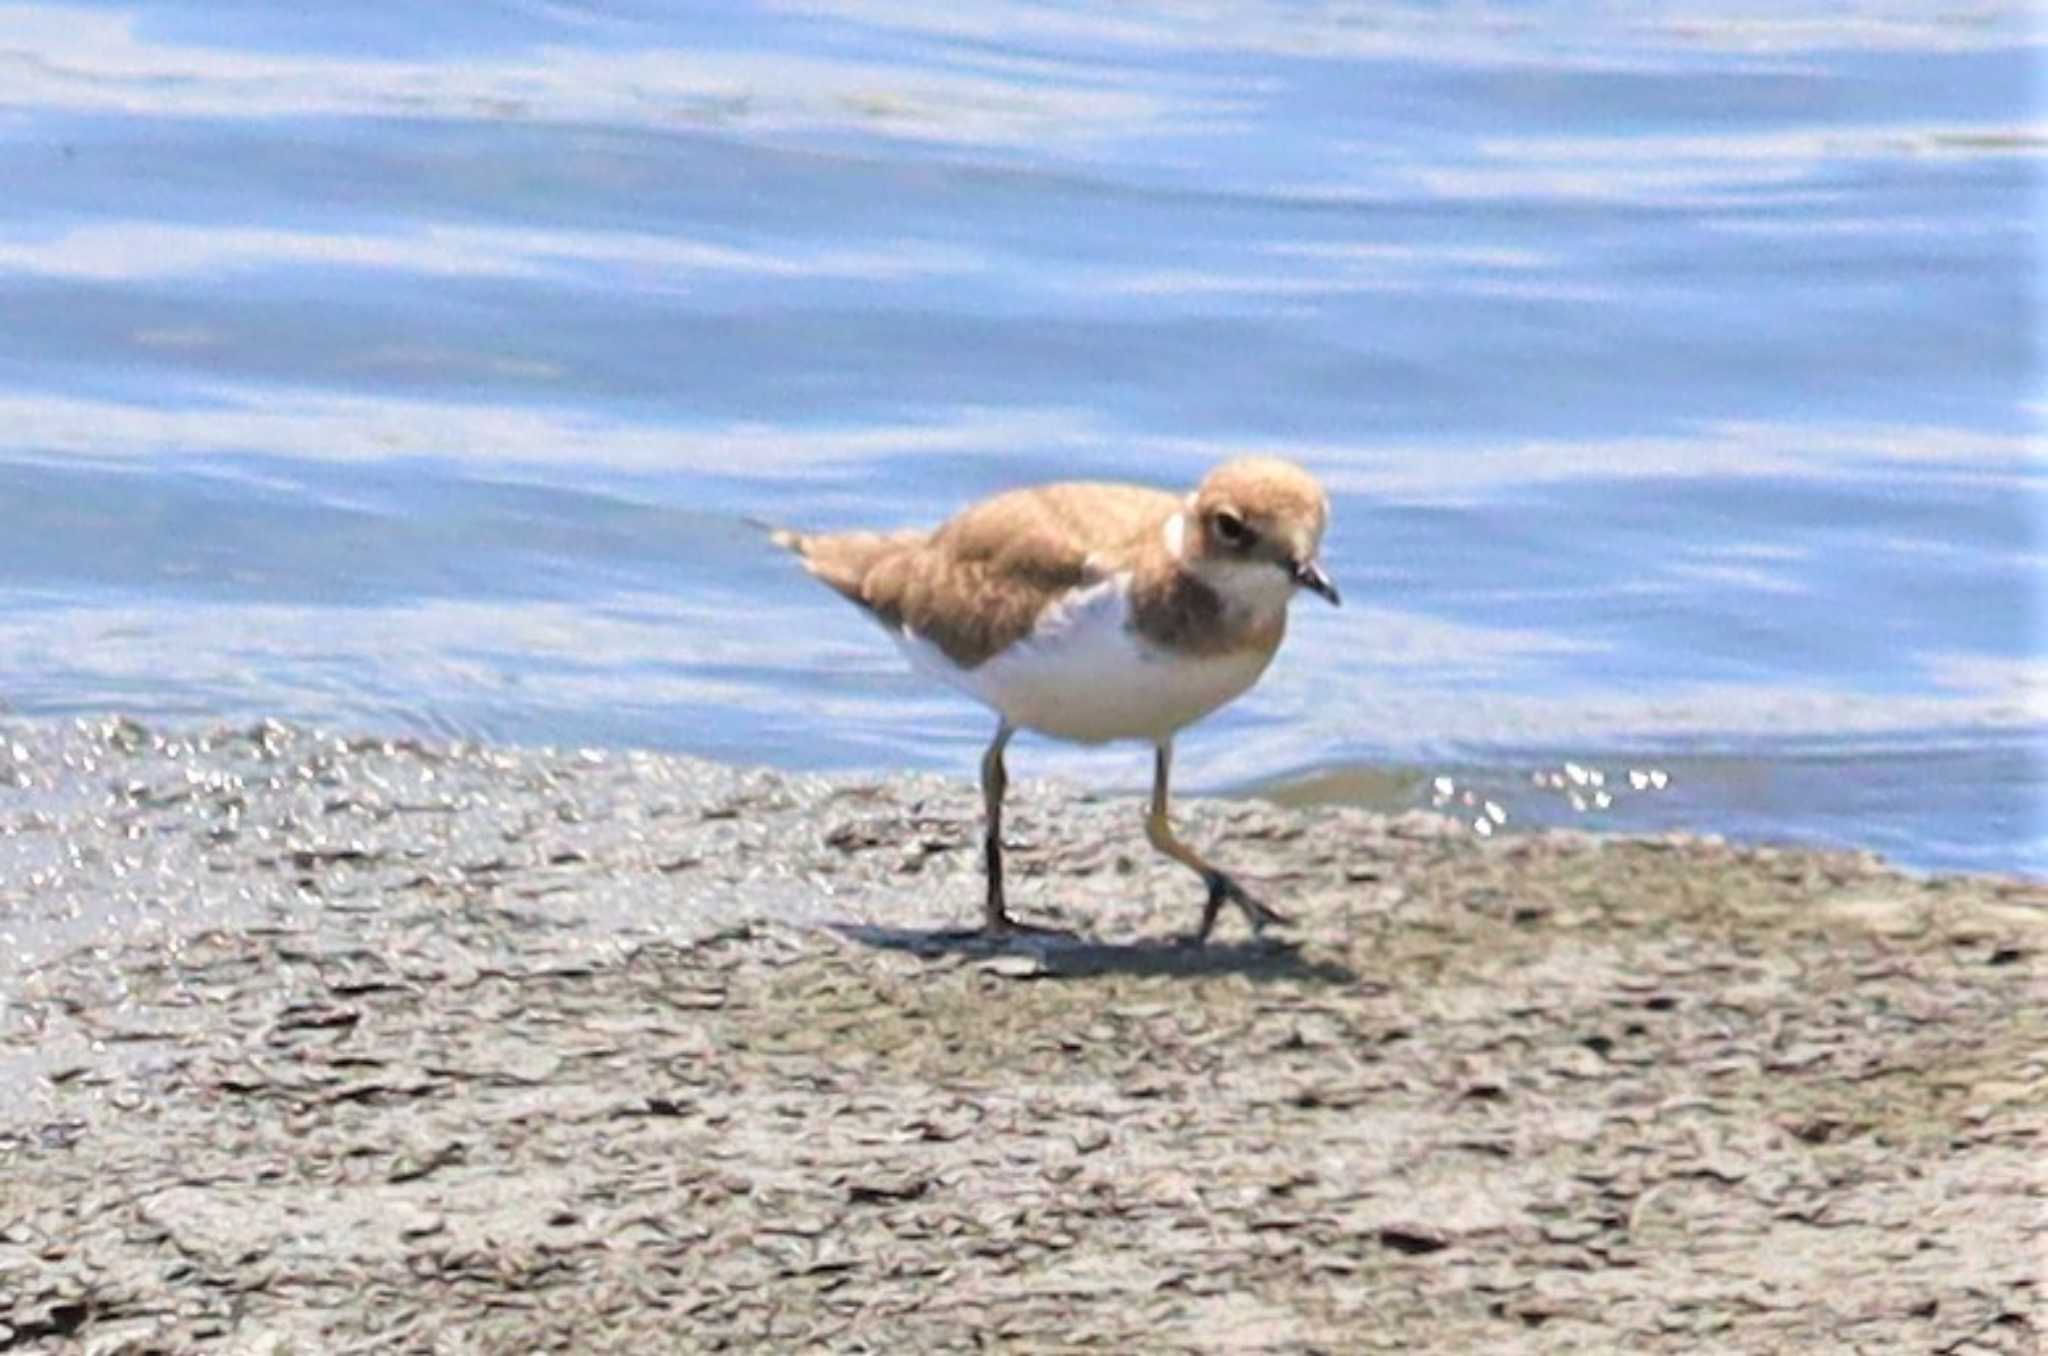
1255,588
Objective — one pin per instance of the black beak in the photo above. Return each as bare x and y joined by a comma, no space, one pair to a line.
1309,575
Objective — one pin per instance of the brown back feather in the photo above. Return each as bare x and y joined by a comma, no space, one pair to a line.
979,583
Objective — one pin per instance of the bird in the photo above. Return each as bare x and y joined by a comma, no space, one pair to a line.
1092,612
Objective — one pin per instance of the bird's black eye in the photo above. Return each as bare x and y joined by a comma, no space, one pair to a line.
1232,529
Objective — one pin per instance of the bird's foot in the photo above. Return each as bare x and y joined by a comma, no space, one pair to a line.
1002,925
986,941
1221,888
997,927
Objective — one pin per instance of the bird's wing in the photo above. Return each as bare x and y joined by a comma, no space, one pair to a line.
980,582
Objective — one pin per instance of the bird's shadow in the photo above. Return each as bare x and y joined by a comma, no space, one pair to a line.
1067,955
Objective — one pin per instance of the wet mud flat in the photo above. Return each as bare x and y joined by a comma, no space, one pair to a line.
403,1047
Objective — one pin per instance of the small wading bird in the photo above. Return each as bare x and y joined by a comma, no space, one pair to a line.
1093,612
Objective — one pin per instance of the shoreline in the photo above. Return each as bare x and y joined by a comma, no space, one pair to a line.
521,1049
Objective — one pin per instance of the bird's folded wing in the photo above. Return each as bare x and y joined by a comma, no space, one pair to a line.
981,581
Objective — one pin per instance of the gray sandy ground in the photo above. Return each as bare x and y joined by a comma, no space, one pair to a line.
419,1048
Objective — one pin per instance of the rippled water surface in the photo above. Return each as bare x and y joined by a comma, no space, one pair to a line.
1675,368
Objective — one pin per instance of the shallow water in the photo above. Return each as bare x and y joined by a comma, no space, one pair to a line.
1676,371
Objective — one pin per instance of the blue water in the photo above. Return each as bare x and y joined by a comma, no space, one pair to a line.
1676,370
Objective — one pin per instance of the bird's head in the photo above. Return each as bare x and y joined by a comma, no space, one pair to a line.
1254,529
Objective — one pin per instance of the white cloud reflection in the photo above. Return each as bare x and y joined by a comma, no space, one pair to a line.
1475,33
330,427
318,425
1321,269
129,250
1781,166
55,57
1724,575
2019,681
1727,450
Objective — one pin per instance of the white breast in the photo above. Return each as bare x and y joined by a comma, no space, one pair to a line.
1085,675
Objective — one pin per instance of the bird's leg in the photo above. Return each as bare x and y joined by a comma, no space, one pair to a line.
1221,887
994,782
995,922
